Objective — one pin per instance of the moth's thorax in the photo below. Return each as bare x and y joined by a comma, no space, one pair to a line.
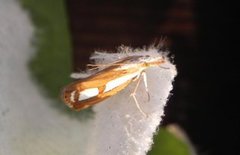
142,59
140,62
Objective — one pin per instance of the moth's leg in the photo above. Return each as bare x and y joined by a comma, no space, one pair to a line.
138,106
143,73
145,83
133,94
138,79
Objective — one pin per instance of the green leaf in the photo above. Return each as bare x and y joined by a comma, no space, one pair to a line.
165,143
52,64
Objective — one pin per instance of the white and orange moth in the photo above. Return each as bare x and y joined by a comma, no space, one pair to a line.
109,81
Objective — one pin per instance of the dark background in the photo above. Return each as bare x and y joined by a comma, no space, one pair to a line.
202,37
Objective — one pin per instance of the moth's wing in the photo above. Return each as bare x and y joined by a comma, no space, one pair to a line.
79,105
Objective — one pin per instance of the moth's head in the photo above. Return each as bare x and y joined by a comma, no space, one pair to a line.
150,60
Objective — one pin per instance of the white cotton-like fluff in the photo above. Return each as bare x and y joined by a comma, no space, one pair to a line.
120,127
29,124
106,58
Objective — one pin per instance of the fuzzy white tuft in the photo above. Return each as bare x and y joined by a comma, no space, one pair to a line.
29,124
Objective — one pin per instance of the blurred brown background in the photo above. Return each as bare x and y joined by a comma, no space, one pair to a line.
200,36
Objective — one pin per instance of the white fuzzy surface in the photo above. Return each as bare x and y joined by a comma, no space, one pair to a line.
29,125
121,129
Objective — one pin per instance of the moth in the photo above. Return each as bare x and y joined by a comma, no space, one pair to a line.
108,81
